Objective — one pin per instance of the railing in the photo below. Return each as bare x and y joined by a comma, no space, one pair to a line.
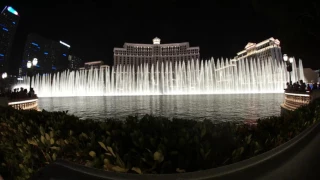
296,99
24,104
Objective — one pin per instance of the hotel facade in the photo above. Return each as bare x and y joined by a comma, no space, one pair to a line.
136,54
269,48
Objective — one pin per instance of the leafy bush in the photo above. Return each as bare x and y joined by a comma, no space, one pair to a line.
29,140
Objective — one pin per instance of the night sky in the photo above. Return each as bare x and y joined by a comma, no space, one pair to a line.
221,28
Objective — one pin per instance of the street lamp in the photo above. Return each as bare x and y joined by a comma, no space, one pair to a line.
289,65
4,75
30,66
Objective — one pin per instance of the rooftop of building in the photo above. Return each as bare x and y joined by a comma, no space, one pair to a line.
156,42
251,45
93,62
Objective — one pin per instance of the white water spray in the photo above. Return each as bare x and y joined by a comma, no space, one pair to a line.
167,78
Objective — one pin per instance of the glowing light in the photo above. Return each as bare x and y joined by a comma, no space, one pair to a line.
20,79
64,54
45,53
4,75
63,43
20,102
13,22
54,68
291,59
5,29
294,94
34,61
29,64
10,9
34,44
285,57
2,55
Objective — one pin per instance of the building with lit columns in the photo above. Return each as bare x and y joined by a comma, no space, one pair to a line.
136,54
269,48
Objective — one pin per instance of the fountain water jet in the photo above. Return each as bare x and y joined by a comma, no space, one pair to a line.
167,78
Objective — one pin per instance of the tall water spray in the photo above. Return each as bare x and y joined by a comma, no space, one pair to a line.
167,78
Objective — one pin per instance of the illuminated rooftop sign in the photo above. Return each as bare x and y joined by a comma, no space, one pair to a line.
65,44
10,9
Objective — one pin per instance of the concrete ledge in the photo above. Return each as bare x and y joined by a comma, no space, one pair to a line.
252,168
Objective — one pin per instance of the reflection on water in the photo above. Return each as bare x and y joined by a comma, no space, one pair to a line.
227,107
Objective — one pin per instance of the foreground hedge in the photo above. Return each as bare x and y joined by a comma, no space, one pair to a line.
29,140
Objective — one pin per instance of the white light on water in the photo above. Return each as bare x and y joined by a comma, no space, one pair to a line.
166,78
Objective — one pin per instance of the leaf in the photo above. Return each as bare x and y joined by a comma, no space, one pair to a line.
102,145
84,135
207,154
106,161
30,170
137,170
119,161
41,130
65,141
92,154
109,154
43,140
55,148
54,156
119,169
111,151
180,170
52,133
203,131
51,141
47,137
70,132
241,150
157,156
21,166
33,142
249,139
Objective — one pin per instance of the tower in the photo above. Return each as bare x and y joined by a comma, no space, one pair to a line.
9,19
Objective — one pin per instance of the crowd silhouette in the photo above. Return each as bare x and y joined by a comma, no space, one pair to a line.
301,86
19,94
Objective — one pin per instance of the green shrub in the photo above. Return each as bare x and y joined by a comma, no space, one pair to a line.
29,140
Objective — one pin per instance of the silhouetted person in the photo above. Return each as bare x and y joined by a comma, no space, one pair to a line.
308,88
314,87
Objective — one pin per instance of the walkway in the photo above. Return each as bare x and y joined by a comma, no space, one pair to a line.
304,165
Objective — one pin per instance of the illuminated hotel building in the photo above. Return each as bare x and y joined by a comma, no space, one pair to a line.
52,55
265,49
136,54
9,19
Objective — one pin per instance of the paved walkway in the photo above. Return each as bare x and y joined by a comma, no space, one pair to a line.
303,165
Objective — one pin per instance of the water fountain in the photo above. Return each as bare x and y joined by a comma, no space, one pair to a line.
167,78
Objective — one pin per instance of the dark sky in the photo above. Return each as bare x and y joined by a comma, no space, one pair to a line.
221,28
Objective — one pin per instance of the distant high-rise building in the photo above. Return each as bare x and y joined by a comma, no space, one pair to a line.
52,55
9,19
136,54
269,48
74,62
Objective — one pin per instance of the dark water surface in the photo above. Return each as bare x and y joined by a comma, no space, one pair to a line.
227,107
